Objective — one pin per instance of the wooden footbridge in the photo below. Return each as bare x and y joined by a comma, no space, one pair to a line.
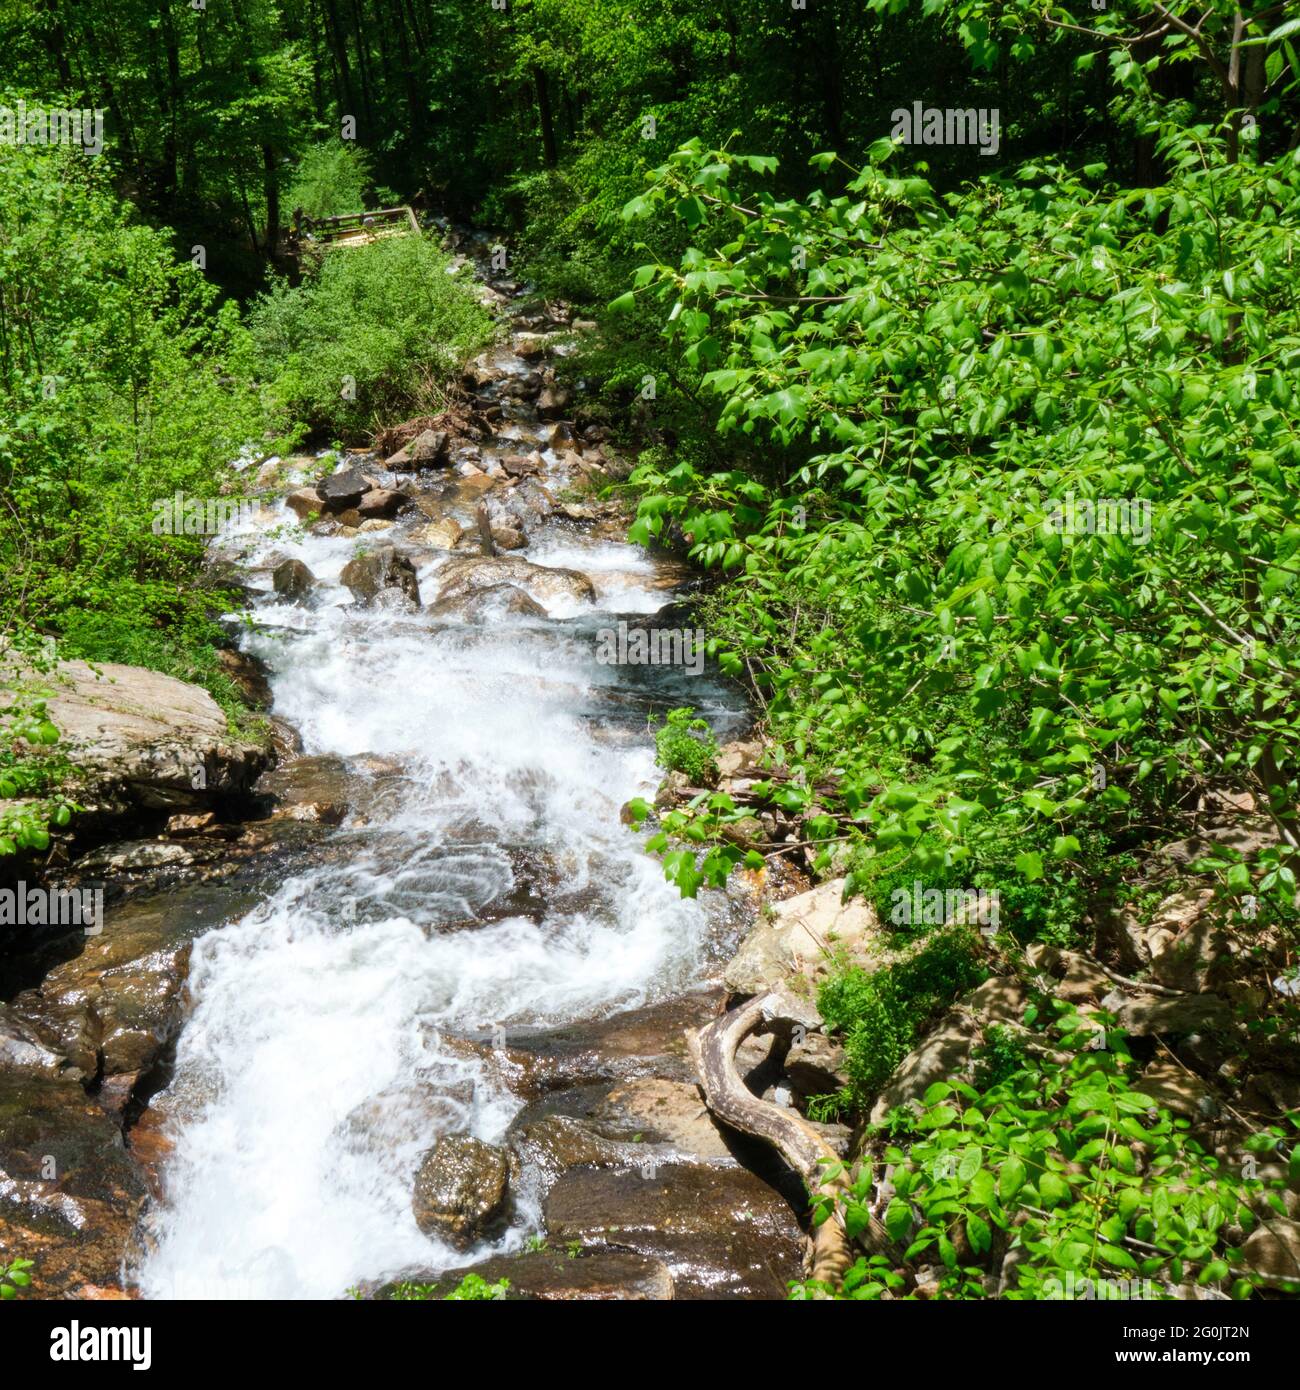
352,228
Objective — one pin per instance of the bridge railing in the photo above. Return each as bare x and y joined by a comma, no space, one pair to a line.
358,228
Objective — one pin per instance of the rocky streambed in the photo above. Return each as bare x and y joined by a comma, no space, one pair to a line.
393,992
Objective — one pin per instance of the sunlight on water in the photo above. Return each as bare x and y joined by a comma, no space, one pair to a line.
326,1027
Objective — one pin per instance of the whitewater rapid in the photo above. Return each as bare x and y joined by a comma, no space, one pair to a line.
326,1047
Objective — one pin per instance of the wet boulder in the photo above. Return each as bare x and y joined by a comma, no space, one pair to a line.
496,601
379,573
343,490
517,465
293,580
508,538
543,583
442,533
382,504
720,1230
305,502
552,1276
69,1190
461,1190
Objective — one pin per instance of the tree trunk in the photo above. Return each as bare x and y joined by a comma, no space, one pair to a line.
544,113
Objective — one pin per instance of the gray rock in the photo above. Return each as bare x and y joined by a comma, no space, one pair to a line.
139,739
542,583
814,1066
1187,942
800,938
428,449
946,1051
342,490
496,601
1147,1014
1273,1251
1178,1090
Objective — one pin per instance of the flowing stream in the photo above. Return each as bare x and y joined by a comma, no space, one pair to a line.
482,884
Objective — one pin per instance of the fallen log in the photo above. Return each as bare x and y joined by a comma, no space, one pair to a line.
713,1050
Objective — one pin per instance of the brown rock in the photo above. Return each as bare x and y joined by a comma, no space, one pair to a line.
305,502
427,450
383,571
69,1191
508,538
548,1276
552,401
1187,941
292,579
1176,1089
382,502
722,1231
461,1190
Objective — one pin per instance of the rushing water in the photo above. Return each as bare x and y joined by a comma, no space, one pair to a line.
325,1048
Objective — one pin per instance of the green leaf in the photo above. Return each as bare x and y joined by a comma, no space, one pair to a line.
1029,863
898,1219
1011,1178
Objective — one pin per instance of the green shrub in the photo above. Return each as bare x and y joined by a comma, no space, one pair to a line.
686,744
1097,1191
371,336
331,179
881,1012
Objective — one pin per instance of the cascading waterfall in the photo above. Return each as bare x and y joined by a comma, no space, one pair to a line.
326,1048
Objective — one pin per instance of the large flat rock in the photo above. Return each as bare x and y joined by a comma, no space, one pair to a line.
144,740
721,1231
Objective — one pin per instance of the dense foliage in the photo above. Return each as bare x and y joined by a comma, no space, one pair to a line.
367,337
1063,1179
989,450
928,600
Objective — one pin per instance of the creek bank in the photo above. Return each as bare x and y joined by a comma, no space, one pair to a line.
140,746
608,1148
1189,1021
